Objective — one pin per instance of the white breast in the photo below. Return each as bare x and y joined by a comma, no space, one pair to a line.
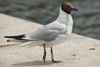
69,25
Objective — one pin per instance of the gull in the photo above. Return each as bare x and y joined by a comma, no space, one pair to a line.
51,34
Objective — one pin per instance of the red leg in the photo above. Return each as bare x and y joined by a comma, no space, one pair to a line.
44,56
53,57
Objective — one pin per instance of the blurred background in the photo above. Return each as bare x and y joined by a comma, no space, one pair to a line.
86,20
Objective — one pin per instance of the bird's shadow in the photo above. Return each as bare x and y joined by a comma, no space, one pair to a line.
33,63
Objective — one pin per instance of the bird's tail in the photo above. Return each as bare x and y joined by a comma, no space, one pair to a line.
21,41
18,38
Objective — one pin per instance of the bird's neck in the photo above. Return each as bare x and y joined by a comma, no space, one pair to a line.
64,17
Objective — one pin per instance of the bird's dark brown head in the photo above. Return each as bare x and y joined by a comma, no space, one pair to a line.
67,7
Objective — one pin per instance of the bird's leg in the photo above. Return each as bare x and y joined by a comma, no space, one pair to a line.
44,56
52,57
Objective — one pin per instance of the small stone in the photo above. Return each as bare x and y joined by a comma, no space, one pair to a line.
74,55
16,53
92,49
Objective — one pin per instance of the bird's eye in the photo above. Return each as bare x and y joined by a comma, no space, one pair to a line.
66,6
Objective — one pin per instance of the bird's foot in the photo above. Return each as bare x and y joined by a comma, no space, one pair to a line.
44,58
56,61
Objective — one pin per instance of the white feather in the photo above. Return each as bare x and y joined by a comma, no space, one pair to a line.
26,43
52,33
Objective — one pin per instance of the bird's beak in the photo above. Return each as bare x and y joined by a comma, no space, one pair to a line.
74,9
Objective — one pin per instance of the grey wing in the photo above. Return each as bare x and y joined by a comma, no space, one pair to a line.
47,35
48,32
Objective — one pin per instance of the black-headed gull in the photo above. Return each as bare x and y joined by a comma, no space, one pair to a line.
51,34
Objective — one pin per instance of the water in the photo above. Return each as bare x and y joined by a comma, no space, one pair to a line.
86,20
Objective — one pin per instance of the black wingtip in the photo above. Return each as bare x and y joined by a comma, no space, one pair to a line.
5,36
15,37
8,40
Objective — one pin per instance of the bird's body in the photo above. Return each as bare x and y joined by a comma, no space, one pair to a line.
51,34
